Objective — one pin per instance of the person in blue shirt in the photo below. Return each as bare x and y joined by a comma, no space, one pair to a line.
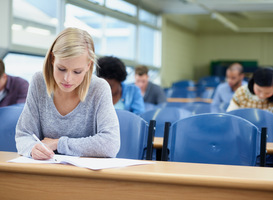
225,91
125,96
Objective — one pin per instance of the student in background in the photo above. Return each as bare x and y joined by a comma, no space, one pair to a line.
125,96
13,90
225,91
67,108
257,94
151,92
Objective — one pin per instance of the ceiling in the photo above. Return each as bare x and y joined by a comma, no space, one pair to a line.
221,15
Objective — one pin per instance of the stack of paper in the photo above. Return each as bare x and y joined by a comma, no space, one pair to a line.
90,163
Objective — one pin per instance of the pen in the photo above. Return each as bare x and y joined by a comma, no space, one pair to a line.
39,141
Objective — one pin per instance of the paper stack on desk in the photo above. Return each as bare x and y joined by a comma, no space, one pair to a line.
90,163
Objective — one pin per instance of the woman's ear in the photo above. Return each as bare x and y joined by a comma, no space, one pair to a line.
90,64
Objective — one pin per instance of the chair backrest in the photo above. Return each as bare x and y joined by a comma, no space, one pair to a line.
133,135
183,84
205,92
198,107
261,118
162,115
149,106
214,139
181,93
209,81
8,119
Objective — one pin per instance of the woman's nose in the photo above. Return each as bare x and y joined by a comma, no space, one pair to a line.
67,76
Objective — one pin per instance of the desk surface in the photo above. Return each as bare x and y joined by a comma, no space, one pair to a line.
162,180
188,100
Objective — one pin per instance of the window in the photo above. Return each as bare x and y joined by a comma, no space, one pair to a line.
149,46
97,1
120,39
122,6
117,27
87,20
148,17
35,24
111,36
23,65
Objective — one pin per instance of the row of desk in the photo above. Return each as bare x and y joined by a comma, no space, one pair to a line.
162,180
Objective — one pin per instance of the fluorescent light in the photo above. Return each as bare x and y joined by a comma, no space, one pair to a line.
39,31
225,21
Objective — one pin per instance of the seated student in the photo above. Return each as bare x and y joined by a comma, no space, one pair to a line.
125,96
67,107
151,92
225,91
13,90
257,94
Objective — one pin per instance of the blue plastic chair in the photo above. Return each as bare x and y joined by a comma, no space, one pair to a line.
149,106
209,81
8,119
162,115
214,139
183,84
134,133
198,107
258,117
181,93
205,92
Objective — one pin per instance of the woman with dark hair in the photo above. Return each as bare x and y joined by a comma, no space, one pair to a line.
257,94
125,96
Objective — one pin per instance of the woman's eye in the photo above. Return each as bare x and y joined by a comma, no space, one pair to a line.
61,69
77,72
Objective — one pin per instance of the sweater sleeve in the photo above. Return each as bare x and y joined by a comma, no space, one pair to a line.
106,141
28,122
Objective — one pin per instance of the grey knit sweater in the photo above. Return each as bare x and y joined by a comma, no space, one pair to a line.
91,129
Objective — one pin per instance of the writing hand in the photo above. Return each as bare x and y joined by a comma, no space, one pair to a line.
39,152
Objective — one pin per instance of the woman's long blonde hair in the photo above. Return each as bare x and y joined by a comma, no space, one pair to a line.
71,42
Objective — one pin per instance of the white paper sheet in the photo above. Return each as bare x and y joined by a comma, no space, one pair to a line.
90,163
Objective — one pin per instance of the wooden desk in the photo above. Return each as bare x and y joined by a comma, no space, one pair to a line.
163,180
188,100
158,143
269,147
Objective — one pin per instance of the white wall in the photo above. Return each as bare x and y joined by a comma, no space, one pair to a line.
178,53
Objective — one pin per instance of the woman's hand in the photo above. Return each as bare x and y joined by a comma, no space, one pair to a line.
39,152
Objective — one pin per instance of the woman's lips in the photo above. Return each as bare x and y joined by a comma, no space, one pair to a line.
66,85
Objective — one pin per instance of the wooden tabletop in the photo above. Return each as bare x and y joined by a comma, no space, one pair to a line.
188,100
162,180
269,147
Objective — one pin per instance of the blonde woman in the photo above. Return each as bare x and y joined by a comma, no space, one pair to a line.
67,108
